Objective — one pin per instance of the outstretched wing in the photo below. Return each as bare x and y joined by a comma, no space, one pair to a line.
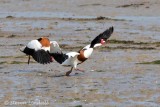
59,57
42,56
105,35
97,40
56,52
54,47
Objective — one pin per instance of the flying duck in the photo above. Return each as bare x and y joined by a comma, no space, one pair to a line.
38,49
74,58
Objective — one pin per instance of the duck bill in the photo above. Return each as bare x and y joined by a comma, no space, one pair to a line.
103,41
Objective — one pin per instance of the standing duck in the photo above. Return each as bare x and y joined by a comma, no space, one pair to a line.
74,58
38,49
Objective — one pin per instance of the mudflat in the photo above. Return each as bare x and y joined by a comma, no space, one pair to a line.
122,73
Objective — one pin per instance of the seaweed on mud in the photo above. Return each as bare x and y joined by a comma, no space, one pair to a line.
78,106
71,48
100,71
22,56
16,62
93,90
152,62
31,89
5,56
136,77
14,45
84,29
131,5
13,62
10,17
126,47
114,41
77,99
12,36
94,19
95,4
2,62
127,42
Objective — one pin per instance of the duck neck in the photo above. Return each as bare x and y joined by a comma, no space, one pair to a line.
92,45
88,52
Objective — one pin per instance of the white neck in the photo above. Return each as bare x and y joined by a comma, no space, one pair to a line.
98,44
88,52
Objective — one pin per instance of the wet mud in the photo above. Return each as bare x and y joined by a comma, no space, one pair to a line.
122,73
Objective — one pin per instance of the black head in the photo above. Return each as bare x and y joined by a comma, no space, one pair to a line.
103,37
39,39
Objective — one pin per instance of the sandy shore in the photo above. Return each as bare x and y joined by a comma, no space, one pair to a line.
123,73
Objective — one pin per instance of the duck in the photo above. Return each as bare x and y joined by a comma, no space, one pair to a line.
72,59
38,49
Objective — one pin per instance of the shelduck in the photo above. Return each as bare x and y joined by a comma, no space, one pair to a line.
38,49
74,58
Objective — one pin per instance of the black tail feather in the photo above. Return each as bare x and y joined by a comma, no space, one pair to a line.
28,51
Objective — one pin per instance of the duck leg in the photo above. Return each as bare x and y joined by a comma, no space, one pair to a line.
67,73
81,70
28,59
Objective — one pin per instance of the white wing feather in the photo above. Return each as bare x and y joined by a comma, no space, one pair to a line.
34,44
54,47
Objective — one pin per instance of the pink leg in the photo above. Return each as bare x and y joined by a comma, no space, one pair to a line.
107,41
67,73
79,70
52,59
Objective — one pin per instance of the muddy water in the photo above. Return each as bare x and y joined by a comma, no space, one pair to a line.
115,75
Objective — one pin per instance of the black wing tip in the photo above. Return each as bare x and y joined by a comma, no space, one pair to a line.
111,29
107,33
45,62
104,35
